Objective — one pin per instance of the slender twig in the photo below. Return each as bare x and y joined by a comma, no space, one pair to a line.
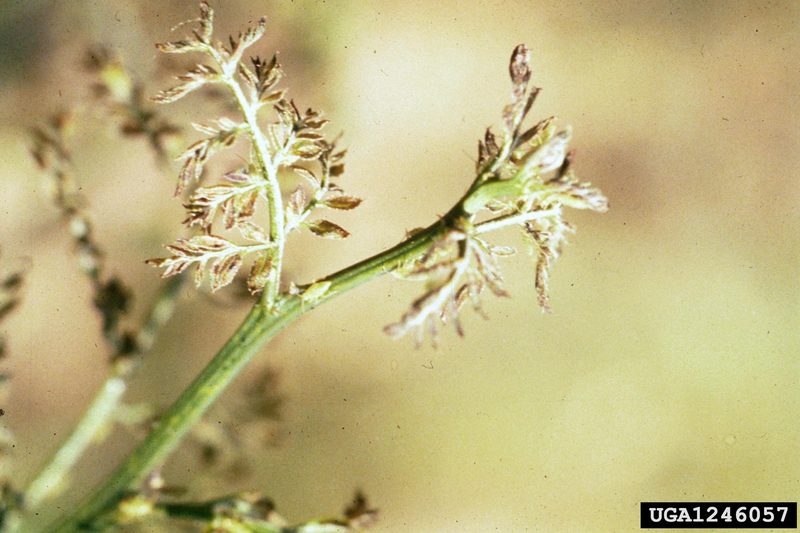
94,420
103,406
268,166
259,326
111,298
514,220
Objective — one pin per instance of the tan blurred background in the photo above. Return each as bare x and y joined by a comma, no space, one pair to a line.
669,368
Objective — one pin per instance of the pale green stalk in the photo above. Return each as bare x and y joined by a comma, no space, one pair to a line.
103,407
258,327
268,165
95,420
275,311
514,220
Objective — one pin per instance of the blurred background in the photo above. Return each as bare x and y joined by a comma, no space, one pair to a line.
668,370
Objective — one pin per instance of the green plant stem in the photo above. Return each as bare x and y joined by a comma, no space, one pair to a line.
261,324
513,220
269,172
258,327
103,406
95,419
207,510
268,165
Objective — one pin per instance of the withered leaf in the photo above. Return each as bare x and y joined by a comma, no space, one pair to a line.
248,76
273,96
550,156
199,245
342,202
306,174
260,272
192,80
519,67
491,143
529,134
327,229
267,76
577,195
199,274
238,177
250,36
224,270
296,202
180,47
336,170
206,23
252,231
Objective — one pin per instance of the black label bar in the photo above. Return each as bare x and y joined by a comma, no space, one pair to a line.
719,515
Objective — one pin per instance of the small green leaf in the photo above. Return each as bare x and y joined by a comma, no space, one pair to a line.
315,291
306,174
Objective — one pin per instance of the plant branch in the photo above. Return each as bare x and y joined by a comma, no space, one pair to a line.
514,220
268,166
507,176
258,327
104,405
93,422
111,298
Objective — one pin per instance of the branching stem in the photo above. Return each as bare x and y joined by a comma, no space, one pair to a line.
104,405
276,310
258,327
268,166
514,220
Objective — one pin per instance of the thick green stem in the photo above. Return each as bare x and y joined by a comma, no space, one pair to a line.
258,327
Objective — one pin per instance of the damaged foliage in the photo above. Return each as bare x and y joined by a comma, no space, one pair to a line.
523,179
293,141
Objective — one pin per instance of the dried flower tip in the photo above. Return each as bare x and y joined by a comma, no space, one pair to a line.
550,156
206,23
327,229
261,272
342,202
519,66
